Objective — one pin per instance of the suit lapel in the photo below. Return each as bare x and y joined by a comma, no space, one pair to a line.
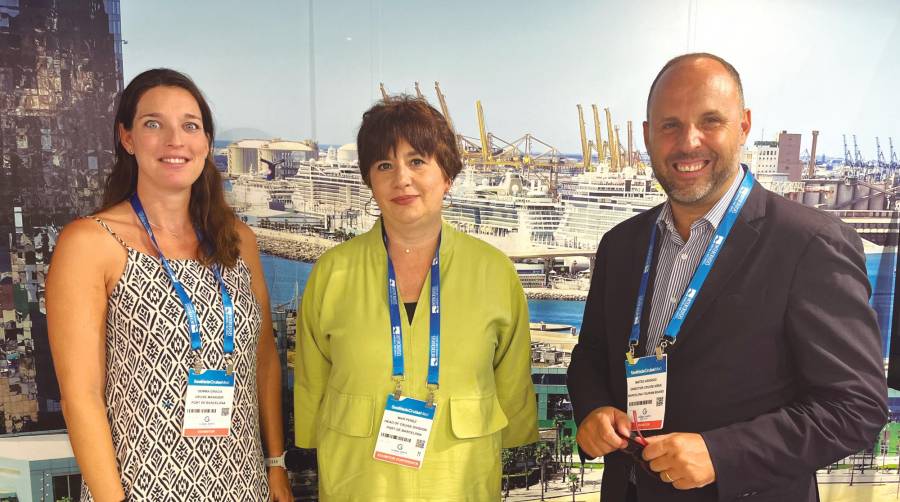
737,247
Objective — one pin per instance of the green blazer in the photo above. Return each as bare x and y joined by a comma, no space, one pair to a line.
343,361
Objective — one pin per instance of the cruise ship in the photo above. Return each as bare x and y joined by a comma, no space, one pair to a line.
594,202
513,213
335,192
501,208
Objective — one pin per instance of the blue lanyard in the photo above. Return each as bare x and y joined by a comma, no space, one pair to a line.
673,328
192,317
434,326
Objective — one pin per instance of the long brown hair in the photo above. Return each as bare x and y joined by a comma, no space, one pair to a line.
210,214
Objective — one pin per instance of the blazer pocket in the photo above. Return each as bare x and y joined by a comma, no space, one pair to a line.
351,414
472,417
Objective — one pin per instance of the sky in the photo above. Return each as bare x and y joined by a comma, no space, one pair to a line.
829,65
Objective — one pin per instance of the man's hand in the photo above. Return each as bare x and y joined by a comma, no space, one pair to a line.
681,459
597,433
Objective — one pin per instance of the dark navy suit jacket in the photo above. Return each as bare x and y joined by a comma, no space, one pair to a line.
778,365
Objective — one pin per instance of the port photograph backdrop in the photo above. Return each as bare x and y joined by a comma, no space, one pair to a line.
289,80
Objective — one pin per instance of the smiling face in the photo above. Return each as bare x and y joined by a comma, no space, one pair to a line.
695,129
408,186
167,139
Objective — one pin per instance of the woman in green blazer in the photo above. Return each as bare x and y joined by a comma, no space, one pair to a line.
448,358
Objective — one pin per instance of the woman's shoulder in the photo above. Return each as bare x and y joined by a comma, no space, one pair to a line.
90,242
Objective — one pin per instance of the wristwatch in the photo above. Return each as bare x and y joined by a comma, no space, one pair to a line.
276,461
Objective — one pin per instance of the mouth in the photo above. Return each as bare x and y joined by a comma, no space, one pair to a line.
174,160
690,166
404,200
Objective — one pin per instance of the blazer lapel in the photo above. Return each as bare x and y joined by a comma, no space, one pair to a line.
737,247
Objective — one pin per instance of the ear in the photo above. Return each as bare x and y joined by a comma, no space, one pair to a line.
126,139
745,125
647,135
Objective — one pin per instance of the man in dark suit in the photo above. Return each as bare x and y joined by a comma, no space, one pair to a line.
776,370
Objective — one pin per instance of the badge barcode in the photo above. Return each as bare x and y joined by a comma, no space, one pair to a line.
420,443
201,410
640,403
226,411
659,401
398,438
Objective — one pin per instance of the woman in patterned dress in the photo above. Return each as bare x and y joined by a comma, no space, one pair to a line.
119,330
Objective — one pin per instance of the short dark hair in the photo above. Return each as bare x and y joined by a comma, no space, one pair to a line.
411,119
692,56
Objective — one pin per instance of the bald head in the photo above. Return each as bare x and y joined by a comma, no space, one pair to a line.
700,59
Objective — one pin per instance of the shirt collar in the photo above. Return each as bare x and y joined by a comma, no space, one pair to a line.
714,216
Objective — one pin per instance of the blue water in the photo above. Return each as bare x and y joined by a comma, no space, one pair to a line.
282,275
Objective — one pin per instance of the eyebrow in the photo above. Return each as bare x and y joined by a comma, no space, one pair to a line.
415,153
159,115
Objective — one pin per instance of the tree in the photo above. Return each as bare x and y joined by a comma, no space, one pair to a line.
567,447
573,484
508,459
542,457
526,453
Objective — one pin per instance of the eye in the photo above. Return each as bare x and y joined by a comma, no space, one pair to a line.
417,162
383,166
192,126
712,121
152,124
669,126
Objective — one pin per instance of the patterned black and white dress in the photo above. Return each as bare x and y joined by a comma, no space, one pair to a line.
148,352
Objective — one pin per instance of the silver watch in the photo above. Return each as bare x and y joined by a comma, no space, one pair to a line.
276,461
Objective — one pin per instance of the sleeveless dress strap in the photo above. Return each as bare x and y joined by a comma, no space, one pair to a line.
106,227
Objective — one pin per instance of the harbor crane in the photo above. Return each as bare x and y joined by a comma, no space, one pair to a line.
599,144
613,144
419,91
847,160
585,146
894,163
857,157
384,94
879,155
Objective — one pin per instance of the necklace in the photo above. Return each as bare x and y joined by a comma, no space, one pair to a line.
173,234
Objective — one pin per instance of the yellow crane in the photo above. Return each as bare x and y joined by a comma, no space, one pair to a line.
419,92
619,161
443,101
585,147
486,153
630,146
613,144
598,137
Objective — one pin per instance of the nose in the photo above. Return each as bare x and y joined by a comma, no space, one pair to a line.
691,137
402,175
174,136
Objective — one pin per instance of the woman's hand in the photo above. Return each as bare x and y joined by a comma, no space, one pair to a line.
279,485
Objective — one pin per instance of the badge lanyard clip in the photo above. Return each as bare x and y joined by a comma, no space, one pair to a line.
431,390
398,387
629,356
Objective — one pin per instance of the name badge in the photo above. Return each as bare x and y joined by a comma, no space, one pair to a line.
646,380
208,405
404,432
